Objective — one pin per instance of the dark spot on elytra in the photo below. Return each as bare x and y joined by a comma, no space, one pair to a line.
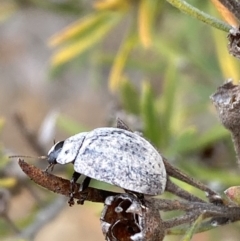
116,132
66,152
144,149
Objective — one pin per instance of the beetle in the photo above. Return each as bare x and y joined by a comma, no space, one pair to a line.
117,156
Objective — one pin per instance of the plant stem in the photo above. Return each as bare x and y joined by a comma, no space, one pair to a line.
205,226
196,13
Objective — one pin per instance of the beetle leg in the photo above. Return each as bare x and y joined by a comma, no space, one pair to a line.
74,179
83,187
85,184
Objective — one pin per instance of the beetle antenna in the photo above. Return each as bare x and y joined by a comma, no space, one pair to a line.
23,156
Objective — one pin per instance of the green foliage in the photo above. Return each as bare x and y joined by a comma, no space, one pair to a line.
193,228
69,7
149,114
81,36
160,118
7,9
184,141
69,125
129,97
90,30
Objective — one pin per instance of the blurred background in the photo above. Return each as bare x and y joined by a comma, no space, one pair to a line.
70,66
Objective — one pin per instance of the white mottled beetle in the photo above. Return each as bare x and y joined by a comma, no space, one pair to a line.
113,155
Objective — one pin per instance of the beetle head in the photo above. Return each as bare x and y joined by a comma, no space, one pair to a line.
54,152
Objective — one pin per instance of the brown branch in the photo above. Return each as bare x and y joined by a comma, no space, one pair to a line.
227,103
174,189
186,218
176,173
62,186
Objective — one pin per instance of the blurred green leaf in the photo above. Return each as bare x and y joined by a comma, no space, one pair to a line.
78,29
210,136
184,142
129,97
7,8
210,174
66,7
116,74
149,114
8,182
193,228
146,16
81,36
228,64
167,103
70,126
117,5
